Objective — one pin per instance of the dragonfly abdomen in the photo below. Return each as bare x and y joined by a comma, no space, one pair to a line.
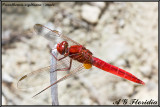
115,70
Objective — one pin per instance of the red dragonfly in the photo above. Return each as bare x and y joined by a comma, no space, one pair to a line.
75,52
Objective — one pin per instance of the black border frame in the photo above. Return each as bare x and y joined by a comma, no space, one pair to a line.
83,1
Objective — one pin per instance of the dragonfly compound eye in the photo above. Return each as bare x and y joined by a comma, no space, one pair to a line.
62,47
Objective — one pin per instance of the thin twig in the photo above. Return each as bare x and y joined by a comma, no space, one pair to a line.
53,78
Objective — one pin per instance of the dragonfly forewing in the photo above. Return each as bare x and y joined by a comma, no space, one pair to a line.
52,35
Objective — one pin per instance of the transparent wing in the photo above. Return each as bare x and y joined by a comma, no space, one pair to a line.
35,78
72,73
41,76
52,34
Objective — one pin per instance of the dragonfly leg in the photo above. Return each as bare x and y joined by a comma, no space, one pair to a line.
67,68
65,55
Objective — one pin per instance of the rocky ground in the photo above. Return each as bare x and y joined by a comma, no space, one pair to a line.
123,34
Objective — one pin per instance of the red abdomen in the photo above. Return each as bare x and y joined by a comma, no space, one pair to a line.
115,70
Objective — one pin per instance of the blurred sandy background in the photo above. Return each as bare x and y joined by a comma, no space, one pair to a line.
123,34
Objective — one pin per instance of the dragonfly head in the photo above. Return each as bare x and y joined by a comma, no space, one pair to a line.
62,47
